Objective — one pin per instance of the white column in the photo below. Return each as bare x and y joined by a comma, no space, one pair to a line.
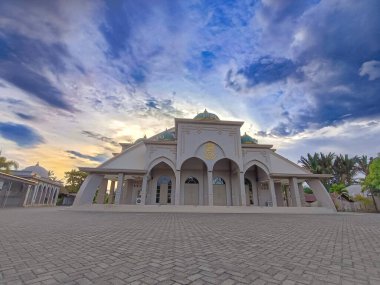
119,188
28,192
42,194
177,194
272,192
48,195
102,192
143,189
56,196
210,189
35,192
321,193
87,191
243,197
295,192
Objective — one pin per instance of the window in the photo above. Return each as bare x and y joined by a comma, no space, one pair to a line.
218,181
191,180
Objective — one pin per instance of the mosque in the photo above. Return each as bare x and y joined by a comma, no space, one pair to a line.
202,161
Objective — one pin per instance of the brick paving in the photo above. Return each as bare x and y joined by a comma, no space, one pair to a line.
51,246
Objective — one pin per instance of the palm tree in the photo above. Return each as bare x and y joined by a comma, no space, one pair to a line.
6,165
319,164
345,169
311,162
363,164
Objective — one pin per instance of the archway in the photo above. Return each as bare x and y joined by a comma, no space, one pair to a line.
259,179
161,185
226,183
193,182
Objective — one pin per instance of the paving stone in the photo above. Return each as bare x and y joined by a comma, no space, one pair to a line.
54,246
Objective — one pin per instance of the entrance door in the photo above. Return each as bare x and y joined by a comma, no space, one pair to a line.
164,194
219,192
191,194
220,197
191,190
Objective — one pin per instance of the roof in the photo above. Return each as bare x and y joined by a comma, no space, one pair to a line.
39,170
16,178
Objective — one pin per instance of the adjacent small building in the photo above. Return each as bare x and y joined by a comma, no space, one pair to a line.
14,190
41,190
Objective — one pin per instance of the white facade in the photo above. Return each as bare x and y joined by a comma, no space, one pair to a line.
202,161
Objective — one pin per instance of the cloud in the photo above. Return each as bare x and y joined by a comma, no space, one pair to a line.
22,135
25,116
97,158
264,70
370,68
34,84
102,138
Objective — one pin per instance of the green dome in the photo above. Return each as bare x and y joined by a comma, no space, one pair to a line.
166,136
206,116
246,139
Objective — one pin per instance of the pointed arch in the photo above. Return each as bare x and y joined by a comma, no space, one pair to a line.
158,160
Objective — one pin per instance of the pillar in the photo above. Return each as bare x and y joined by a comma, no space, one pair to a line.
112,193
144,188
210,189
293,183
242,190
279,195
28,192
119,188
88,189
177,195
56,197
321,193
48,195
102,192
35,192
272,192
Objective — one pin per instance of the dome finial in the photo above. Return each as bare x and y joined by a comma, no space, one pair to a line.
206,116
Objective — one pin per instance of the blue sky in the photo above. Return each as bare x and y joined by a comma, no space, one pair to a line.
76,77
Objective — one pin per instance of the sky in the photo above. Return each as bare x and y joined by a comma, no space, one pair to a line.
78,77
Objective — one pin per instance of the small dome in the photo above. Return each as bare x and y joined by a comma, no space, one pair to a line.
246,139
39,170
166,136
206,116
140,139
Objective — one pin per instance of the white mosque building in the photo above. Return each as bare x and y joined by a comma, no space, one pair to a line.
203,162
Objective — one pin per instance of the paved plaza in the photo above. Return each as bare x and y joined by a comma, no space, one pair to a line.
55,246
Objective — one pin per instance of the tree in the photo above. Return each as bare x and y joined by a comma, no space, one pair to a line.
339,189
372,180
6,165
74,179
345,169
52,176
319,163
363,164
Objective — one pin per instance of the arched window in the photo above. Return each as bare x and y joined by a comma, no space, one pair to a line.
164,180
191,180
218,181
